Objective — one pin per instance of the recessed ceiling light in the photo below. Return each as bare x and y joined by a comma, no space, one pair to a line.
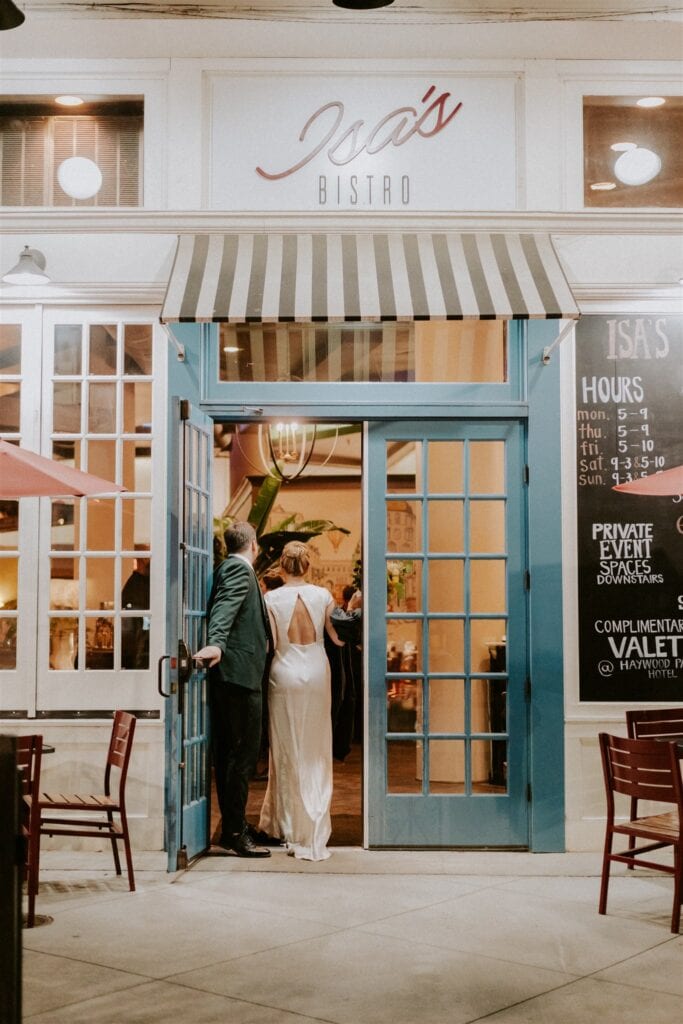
603,186
69,101
650,101
623,147
231,348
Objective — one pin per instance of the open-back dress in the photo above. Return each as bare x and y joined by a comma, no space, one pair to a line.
297,803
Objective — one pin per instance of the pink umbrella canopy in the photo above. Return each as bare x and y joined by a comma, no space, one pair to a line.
667,483
25,474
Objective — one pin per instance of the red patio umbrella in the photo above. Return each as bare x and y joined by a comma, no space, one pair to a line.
667,483
25,474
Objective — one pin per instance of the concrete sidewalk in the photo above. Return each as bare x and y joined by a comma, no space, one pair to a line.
363,938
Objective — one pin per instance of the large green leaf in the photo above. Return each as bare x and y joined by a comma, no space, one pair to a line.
262,507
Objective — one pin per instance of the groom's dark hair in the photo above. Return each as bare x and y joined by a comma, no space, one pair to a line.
238,537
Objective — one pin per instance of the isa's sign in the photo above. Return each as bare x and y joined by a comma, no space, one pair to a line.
329,143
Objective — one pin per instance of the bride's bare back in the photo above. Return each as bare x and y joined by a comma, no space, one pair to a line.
301,629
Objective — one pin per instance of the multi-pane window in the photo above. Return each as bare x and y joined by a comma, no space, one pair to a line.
99,601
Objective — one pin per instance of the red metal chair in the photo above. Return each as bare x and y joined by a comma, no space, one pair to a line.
29,754
82,806
644,770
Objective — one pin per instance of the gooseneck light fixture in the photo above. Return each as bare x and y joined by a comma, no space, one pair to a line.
29,270
10,15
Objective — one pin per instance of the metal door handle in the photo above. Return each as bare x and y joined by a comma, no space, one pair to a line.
160,674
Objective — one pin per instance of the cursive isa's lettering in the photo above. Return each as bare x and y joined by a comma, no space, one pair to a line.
395,129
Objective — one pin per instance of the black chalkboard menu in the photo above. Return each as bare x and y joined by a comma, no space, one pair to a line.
629,423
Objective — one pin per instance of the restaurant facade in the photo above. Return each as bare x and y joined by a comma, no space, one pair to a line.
405,249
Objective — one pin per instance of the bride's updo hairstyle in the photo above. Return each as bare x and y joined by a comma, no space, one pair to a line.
295,559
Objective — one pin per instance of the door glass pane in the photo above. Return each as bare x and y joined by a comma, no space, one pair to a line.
446,705
487,527
9,569
404,766
404,705
484,635
9,526
404,642
99,583
404,585
102,459
63,643
137,465
487,467
136,525
446,645
64,584
137,350
8,641
446,766
64,522
68,452
403,467
102,351
101,524
102,409
10,349
404,526
487,585
99,642
10,415
66,409
137,408
446,585
489,767
445,527
68,350
489,705
445,461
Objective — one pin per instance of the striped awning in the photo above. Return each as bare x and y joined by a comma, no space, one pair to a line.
271,278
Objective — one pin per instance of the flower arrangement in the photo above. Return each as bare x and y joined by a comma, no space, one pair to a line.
396,573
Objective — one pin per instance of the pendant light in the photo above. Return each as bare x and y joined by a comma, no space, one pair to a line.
10,15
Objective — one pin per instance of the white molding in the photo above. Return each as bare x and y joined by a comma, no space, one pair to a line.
42,221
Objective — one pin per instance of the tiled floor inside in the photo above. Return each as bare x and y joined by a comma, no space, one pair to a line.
363,938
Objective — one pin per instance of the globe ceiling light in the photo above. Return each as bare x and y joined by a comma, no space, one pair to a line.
79,177
29,270
651,101
637,166
361,5
10,15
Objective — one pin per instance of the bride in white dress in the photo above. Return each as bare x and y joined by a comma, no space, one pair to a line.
297,803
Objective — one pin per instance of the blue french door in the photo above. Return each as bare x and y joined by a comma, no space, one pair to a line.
192,545
447,635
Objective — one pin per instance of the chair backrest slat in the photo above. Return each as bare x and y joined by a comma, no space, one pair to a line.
120,747
639,768
655,723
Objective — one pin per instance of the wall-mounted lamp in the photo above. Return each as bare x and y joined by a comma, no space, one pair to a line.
10,15
362,5
29,270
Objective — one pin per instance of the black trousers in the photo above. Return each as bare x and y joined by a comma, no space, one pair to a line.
235,742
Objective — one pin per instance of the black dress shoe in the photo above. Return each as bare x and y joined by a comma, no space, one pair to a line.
262,838
243,845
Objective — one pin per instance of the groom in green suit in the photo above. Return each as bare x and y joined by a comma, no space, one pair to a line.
238,638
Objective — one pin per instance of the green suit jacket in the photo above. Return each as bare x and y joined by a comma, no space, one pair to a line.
238,624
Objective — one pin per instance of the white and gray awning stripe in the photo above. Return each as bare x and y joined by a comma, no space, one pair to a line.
282,278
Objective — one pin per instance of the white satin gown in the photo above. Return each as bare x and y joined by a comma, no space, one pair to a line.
296,807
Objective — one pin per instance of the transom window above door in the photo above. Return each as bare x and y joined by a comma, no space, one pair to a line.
430,351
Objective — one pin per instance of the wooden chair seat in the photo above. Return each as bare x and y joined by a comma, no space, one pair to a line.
80,806
644,769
